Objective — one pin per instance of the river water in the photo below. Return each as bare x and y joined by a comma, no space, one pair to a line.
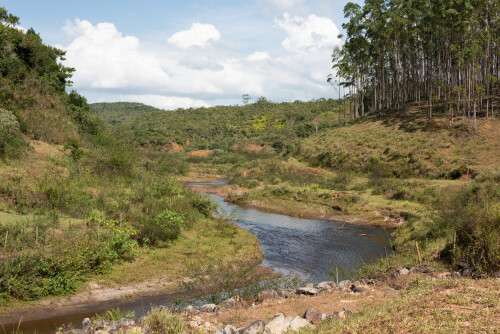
305,247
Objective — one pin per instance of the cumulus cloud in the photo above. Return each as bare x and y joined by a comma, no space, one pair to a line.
106,59
259,55
115,67
198,35
308,34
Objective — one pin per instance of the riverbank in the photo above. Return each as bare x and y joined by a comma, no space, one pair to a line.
154,272
261,198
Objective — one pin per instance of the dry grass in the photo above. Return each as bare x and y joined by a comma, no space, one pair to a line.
430,306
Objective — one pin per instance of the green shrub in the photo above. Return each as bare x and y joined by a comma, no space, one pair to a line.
165,227
474,214
161,320
115,315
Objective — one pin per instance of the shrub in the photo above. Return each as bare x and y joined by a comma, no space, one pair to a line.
165,227
474,214
161,320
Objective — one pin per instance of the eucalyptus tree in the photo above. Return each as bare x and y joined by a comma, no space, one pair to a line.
442,52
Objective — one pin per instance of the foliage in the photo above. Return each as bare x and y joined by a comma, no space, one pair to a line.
165,227
160,320
474,215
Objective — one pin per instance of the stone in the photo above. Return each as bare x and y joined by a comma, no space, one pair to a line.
309,285
276,325
193,323
359,288
455,274
87,324
126,322
322,316
311,316
231,302
208,326
106,325
344,285
422,269
230,329
255,327
190,309
266,295
325,285
286,293
209,308
403,272
307,291
298,323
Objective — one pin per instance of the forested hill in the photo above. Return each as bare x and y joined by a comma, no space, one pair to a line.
118,112
221,127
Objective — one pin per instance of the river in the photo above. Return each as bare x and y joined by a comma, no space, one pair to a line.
306,247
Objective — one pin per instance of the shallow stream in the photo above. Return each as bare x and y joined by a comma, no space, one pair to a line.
306,247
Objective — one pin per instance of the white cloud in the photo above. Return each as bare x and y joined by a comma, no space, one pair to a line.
259,55
308,34
104,58
113,67
198,35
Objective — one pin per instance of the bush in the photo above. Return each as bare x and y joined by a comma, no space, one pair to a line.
165,227
12,144
474,214
161,320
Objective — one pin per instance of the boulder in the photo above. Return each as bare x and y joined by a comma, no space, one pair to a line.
266,295
231,302
403,272
298,323
311,316
87,325
326,285
309,285
286,293
359,288
276,325
344,285
190,310
322,316
106,325
307,291
209,308
255,327
230,329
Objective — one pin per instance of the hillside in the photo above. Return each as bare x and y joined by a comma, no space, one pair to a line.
117,112
76,205
221,127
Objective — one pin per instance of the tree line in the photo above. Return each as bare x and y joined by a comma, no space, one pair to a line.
442,52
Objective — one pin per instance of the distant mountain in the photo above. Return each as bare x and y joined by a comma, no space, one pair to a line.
117,112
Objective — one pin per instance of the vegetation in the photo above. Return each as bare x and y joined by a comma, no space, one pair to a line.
75,203
162,320
397,52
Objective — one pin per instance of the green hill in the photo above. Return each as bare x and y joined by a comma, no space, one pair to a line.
78,205
117,112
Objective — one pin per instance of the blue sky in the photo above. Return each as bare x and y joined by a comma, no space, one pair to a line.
191,53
